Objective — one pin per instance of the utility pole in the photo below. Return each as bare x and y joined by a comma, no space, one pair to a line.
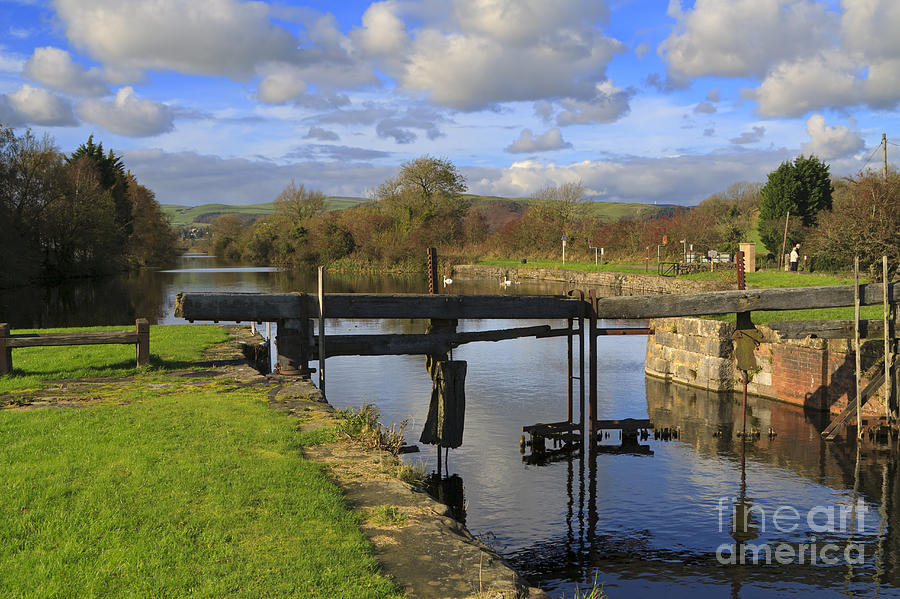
884,156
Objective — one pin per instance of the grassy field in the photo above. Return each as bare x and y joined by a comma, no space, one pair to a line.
182,216
171,347
179,487
766,279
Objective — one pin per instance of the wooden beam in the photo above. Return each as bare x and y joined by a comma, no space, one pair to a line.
827,329
726,302
432,343
80,338
275,306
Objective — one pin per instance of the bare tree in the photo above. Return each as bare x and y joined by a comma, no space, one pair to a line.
562,203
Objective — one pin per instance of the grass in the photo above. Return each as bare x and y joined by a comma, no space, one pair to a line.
201,494
386,515
171,347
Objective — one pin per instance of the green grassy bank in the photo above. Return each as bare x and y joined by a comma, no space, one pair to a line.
177,487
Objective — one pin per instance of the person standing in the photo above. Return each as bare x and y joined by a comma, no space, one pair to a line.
795,257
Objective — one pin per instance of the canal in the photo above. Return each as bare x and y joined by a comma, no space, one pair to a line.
822,518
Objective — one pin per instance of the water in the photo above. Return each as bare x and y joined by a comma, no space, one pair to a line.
642,525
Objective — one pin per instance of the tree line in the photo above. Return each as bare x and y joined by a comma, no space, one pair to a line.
81,214
425,205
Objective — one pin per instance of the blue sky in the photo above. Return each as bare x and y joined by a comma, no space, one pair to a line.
643,101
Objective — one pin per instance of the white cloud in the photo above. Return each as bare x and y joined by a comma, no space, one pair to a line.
528,142
36,106
128,115
207,37
609,104
383,32
281,83
682,180
831,142
54,68
520,22
705,108
739,38
795,88
480,60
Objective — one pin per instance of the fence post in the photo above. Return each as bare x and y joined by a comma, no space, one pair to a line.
5,352
142,325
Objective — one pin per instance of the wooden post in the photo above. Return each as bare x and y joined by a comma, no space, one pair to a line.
446,412
856,345
292,340
322,329
143,343
5,351
592,367
887,339
784,241
569,365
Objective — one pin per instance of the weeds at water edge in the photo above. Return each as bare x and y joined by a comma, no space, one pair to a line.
362,426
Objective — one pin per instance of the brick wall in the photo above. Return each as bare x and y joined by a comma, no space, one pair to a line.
814,373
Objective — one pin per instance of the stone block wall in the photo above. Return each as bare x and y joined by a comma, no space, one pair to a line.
814,373
628,283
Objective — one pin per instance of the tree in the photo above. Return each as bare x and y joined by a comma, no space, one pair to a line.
864,222
803,188
112,176
562,204
153,239
425,189
298,204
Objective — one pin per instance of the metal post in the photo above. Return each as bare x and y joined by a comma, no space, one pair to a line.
856,345
592,367
887,338
744,378
322,329
569,368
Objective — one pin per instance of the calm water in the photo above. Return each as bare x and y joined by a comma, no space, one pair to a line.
642,524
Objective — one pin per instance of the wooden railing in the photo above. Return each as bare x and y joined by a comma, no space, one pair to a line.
140,337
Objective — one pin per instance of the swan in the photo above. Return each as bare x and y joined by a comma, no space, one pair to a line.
447,281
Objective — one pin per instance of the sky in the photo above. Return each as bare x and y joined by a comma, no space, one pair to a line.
225,101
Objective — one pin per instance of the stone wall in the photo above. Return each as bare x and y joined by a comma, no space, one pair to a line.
628,283
814,373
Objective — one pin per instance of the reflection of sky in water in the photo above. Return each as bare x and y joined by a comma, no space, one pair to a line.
648,524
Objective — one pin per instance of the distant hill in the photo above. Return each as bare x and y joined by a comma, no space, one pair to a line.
497,210
183,216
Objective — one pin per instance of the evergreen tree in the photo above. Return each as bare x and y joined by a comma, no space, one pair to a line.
803,188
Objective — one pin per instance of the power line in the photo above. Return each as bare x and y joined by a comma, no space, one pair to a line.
878,147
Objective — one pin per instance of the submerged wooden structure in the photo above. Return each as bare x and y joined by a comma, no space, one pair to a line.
298,343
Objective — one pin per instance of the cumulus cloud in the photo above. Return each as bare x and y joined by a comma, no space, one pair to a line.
36,106
704,108
750,137
401,126
684,180
528,142
128,115
54,68
383,32
609,104
714,95
476,62
831,142
281,83
641,50
206,37
321,134
806,56
740,38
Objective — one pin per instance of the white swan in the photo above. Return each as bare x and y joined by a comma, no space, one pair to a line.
447,281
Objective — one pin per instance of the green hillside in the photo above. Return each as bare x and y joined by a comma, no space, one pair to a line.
182,216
